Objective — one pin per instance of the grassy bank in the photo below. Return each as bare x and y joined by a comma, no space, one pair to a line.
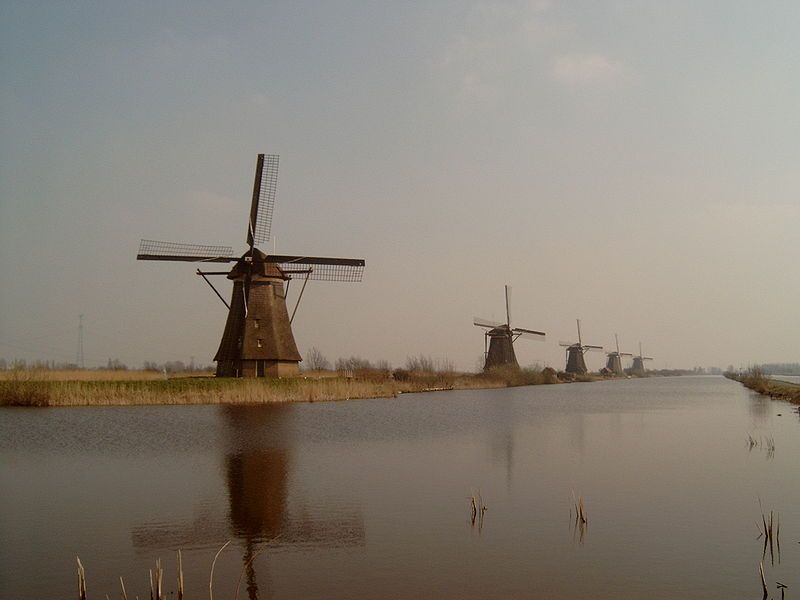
31,388
756,380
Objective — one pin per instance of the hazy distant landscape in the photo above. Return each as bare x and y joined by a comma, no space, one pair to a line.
453,299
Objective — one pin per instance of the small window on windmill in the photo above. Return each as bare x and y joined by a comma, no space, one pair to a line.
259,343
255,323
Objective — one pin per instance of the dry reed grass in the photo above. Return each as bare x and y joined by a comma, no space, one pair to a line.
188,391
755,379
156,577
91,375
130,388
770,530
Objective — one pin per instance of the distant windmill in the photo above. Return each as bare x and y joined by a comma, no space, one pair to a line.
575,352
614,362
498,340
258,339
638,362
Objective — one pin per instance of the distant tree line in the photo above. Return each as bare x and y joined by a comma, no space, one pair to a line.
781,368
112,364
21,363
356,366
176,366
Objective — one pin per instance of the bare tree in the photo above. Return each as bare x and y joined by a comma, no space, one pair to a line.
316,361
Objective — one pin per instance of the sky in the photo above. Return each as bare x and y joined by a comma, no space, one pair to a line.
632,164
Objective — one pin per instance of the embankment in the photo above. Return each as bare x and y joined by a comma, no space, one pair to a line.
755,380
30,390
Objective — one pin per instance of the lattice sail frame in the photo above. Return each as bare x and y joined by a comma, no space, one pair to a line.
346,270
264,192
160,250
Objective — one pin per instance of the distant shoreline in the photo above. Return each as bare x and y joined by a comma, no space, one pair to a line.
51,390
29,391
43,389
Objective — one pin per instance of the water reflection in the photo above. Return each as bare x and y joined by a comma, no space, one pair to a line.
501,441
759,408
264,509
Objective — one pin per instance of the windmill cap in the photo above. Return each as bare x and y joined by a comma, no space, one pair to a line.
255,264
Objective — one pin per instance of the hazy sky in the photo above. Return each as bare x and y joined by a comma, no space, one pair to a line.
634,164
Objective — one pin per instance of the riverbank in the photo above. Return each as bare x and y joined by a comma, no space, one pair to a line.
755,380
43,389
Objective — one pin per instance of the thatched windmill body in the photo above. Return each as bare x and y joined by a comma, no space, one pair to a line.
638,362
614,362
575,351
257,340
499,338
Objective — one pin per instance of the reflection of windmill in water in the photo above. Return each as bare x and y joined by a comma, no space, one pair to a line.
638,362
262,511
258,339
575,351
499,338
614,362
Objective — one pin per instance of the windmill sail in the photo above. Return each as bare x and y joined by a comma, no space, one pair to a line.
575,351
175,251
500,337
265,187
486,323
257,340
321,268
528,333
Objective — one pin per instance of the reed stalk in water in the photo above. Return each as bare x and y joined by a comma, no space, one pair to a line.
81,581
211,576
180,576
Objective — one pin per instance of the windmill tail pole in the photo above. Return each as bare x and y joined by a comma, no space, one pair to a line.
300,297
211,285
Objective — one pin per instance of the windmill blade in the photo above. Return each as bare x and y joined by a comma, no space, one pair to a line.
529,335
626,354
588,347
174,251
485,323
530,331
566,344
508,305
648,358
322,268
265,187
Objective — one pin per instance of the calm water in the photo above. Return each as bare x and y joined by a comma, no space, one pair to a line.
369,498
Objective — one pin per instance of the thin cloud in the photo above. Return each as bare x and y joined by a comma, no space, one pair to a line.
585,69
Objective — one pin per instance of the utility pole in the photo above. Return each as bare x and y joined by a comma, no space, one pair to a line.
79,354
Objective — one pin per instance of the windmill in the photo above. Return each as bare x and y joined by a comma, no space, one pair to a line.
614,362
575,351
257,340
499,338
638,362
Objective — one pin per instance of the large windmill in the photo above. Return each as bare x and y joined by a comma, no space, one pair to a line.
575,351
257,340
614,362
638,362
499,338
